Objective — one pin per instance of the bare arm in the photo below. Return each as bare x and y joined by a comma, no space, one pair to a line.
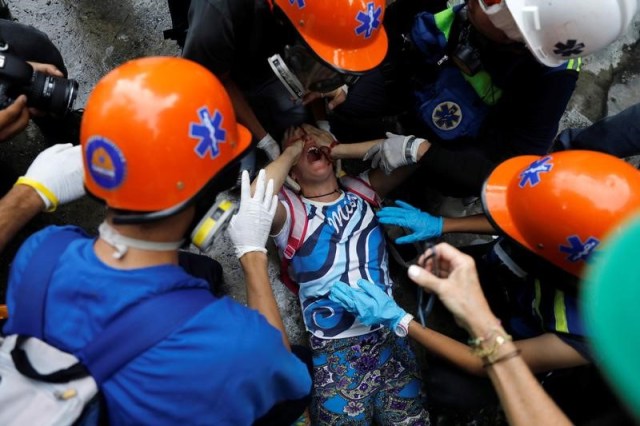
259,293
383,184
522,397
543,353
476,224
17,208
278,171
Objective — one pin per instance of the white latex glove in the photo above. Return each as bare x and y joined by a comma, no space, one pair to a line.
57,175
249,228
395,151
270,147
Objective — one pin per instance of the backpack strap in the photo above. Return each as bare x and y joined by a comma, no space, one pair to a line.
362,189
153,319
297,231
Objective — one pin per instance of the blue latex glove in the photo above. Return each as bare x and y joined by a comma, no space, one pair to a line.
423,225
368,302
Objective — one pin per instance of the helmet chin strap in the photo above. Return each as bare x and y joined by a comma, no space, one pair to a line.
121,243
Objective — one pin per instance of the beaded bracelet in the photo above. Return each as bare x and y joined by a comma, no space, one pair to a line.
479,340
490,351
505,357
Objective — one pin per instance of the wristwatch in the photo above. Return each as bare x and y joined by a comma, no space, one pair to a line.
402,329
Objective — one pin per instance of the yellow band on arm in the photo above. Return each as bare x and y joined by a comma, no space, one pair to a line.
42,190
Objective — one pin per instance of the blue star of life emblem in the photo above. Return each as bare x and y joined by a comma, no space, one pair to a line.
300,3
447,115
577,250
532,173
369,20
209,131
571,47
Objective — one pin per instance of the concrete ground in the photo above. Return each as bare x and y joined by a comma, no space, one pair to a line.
96,36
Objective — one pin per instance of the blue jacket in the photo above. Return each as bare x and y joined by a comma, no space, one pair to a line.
224,366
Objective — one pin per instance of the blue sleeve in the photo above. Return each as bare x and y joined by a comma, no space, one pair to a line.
23,260
266,376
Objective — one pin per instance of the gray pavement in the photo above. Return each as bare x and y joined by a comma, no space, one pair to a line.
96,36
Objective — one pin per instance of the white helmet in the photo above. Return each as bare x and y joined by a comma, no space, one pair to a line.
558,30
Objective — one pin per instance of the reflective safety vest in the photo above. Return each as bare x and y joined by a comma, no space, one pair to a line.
456,104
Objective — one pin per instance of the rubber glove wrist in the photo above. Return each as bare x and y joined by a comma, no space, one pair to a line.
249,228
422,224
411,149
269,146
369,302
324,125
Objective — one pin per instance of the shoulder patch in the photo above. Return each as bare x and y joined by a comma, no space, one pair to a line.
447,115
105,162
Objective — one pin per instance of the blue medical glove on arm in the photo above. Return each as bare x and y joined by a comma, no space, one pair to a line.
423,225
372,305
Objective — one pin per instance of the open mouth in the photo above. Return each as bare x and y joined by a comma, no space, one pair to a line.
316,154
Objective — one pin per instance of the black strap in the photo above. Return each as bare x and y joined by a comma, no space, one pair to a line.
24,366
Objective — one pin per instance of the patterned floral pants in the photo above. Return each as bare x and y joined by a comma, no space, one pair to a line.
366,379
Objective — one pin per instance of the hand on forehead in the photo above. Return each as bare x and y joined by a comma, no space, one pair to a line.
293,134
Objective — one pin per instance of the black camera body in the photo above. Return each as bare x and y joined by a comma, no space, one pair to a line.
47,93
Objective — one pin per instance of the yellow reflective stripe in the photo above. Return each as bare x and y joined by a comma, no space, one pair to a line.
574,64
538,298
560,312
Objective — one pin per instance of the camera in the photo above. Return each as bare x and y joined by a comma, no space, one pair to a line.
47,93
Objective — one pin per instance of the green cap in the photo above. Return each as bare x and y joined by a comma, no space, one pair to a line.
611,306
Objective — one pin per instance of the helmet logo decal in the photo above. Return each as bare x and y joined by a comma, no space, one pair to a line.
447,115
300,3
209,131
531,175
571,47
369,20
577,250
105,162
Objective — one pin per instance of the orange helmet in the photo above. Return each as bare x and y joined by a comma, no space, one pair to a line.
153,139
345,34
562,205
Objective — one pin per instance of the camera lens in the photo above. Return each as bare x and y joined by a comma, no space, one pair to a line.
52,94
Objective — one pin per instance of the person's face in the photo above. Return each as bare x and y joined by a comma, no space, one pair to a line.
315,162
481,22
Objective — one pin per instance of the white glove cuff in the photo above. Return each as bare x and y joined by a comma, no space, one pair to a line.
266,141
402,329
411,149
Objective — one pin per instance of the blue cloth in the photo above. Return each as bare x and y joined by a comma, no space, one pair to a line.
617,135
206,372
